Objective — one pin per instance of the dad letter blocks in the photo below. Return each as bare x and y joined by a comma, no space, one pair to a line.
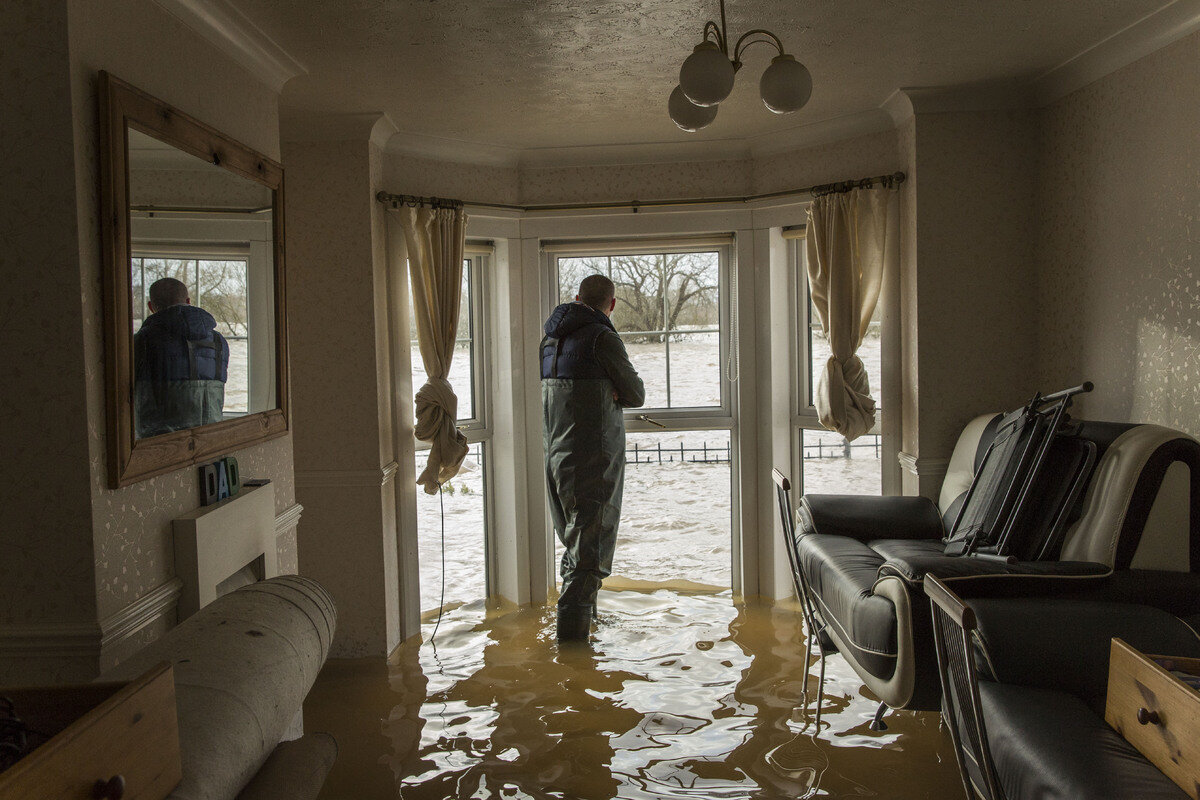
219,480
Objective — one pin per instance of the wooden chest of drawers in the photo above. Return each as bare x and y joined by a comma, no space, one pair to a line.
108,741
1156,712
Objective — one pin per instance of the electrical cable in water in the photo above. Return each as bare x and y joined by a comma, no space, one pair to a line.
442,599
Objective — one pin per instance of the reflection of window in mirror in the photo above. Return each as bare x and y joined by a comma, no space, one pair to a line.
211,231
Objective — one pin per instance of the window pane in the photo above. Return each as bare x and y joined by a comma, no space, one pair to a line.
649,358
640,284
137,294
462,366
676,513
668,315
694,319
223,294
465,569
833,466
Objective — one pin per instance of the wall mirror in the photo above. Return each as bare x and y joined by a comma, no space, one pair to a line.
195,313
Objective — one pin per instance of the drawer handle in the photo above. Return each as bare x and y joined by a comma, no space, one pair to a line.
1147,717
111,789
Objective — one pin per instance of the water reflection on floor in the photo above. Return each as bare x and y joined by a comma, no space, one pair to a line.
678,696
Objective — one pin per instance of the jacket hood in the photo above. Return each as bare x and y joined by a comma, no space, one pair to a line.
570,317
183,321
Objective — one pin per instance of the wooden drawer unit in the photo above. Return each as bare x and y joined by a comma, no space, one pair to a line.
1156,712
108,741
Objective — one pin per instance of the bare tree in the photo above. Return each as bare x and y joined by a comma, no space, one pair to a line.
662,291
223,293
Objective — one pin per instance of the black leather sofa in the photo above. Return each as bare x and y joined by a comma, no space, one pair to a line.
1042,668
864,558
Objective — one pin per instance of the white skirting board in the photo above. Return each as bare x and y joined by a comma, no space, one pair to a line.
214,542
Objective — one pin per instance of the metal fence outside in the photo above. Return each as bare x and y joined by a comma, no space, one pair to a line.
867,446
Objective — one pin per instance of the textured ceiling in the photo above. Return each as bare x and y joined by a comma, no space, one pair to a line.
529,74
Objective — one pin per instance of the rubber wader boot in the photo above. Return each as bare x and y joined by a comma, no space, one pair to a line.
574,623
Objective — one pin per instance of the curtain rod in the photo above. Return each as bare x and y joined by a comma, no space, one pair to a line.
887,181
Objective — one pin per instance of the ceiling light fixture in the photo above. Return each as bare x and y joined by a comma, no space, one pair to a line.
706,77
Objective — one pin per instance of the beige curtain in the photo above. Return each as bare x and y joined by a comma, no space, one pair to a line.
434,238
848,243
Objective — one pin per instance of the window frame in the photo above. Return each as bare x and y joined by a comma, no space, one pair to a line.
718,417
477,429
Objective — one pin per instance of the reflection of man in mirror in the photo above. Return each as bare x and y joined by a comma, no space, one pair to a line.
180,363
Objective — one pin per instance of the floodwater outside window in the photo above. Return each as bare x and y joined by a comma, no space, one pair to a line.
828,463
219,285
464,497
671,313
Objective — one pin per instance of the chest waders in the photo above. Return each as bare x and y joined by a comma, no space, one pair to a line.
584,438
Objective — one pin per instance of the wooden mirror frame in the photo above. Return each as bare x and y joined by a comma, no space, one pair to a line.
131,459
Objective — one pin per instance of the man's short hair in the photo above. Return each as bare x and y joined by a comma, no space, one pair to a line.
167,292
597,291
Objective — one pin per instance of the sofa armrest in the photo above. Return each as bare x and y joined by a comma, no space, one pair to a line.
869,517
1176,593
1064,645
243,665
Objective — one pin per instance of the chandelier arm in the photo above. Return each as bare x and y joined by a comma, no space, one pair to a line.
738,49
724,32
718,37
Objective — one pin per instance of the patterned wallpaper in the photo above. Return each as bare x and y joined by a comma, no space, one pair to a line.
405,174
1119,211
860,157
132,526
975,311
634,181
340,396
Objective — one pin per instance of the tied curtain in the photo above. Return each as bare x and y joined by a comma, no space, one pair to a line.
847,242
434,238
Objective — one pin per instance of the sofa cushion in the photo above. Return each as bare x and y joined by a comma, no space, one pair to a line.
841,573
1048,744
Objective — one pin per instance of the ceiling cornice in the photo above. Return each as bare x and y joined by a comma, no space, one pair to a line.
1150,33
232,32
300,126
989,96
812,135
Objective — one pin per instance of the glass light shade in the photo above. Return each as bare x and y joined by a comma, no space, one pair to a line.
686,114
786,85
706,75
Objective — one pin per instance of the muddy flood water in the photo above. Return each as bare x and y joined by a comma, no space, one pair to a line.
679,695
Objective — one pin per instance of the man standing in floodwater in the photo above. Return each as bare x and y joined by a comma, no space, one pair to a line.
587,381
